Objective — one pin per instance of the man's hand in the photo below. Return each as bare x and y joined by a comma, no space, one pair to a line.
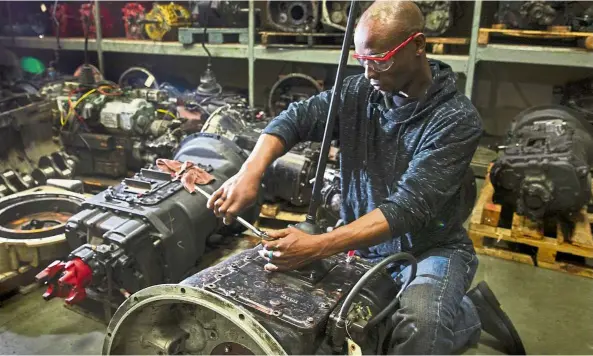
236,194
292,249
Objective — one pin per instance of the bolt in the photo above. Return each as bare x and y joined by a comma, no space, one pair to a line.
339,290
211,286
234,266
227,349
310,320
275,302
232,293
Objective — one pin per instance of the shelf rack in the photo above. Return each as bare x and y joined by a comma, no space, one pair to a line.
464,64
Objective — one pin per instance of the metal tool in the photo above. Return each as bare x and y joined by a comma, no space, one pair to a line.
261,234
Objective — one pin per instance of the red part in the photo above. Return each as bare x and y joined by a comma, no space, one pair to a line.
87,13
133,13
67,280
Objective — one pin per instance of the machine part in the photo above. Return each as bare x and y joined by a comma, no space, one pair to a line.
530,14
438,16
289,177
56,165
577,95
293,16
294,312
94,72
87,13
133,118
544,169
291,88
163,18
220,13
148,229
133,16
583,23
65,24
149,81
334,13
32,225
208,84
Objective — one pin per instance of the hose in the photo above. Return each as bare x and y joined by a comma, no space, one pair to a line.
365,278
137,69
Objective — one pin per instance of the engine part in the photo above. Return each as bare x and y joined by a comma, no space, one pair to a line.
220,13
216,311
87,12
147,230
133,16
132,118
334,13
289,177
577,95
291,88
32,225
530,14
438,16
584,22
163,18
293,16
544,169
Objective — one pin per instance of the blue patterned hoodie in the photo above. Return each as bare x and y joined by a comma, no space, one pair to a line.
408,160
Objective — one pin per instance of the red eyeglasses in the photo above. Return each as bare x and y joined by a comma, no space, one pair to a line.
383,61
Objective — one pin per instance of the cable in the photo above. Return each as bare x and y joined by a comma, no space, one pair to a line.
204,35
137,69
365,278
167,112
73,108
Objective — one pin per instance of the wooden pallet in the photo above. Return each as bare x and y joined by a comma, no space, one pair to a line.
436,45
554,33
273,217
443,45
524,241
301,39
191,35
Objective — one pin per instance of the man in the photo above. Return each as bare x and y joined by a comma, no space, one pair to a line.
406,137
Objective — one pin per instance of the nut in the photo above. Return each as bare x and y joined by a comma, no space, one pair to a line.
310,320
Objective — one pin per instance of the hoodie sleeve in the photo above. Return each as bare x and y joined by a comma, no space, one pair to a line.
434,174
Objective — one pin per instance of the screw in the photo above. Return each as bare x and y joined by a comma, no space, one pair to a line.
232,293
310,320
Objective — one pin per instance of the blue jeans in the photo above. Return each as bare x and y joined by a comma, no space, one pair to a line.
435,315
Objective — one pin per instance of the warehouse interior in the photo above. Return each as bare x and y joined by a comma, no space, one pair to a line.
118,120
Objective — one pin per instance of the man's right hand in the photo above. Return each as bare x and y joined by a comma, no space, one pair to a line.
235,195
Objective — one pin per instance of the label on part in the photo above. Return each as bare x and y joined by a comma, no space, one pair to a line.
149,81
109,120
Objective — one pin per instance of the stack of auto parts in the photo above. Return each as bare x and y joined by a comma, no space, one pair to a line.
540,15
26,139
146,230
292,16
545,167
133,15
113,130
219,13
438,15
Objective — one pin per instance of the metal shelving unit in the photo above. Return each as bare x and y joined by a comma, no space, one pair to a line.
465,64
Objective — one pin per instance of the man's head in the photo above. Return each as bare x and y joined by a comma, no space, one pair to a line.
384,26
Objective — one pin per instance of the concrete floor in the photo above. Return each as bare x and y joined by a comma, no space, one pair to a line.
553,312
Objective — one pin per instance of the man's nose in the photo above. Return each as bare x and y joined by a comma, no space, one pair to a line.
370,74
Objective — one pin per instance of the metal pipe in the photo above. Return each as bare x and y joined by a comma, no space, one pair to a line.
99,36
331,116
473,50
251,52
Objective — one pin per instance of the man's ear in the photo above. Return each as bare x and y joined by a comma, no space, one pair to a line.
420,44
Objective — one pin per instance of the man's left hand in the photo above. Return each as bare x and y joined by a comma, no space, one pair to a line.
292,249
